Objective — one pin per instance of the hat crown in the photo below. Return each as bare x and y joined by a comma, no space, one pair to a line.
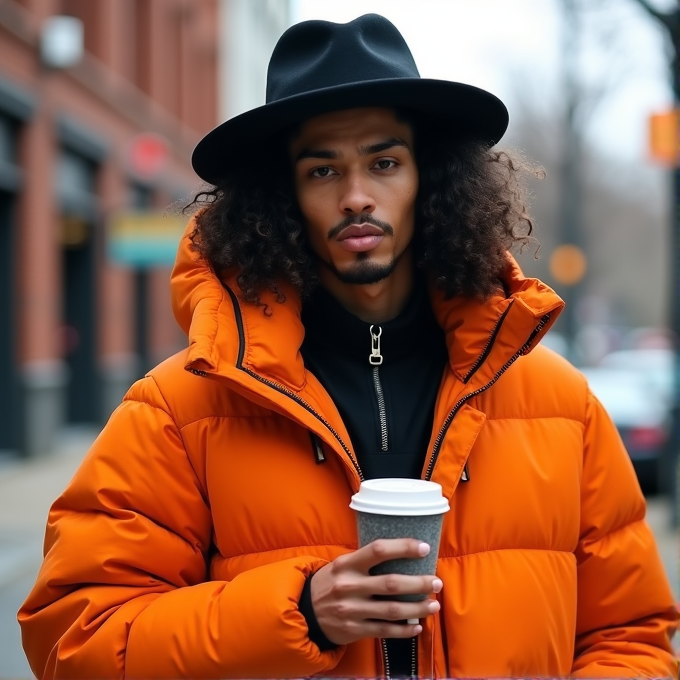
313,55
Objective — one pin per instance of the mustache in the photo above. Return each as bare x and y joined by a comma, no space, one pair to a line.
363,218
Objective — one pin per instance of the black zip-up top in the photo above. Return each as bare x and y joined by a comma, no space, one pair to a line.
384,380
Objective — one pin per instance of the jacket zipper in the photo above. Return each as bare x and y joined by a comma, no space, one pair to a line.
376,359
319,455
487,349
462,400
386,661
414,658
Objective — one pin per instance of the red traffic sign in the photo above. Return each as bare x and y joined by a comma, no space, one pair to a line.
148,155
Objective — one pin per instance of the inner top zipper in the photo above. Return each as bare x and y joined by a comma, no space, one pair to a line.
375,358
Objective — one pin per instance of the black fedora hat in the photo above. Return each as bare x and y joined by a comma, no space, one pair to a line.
320,66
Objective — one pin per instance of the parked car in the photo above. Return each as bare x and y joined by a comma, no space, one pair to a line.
636,388
656,364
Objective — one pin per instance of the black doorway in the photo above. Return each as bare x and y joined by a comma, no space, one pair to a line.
76,180
10,391
142,199
79,320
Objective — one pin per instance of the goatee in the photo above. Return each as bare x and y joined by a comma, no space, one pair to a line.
363,272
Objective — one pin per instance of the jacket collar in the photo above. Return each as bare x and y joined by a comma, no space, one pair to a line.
226,334
484,335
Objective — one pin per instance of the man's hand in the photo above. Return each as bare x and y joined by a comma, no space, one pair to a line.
342,594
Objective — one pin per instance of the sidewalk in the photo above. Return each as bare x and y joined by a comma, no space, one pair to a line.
27,489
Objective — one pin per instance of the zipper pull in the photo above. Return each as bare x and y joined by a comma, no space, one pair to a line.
319,455
375,358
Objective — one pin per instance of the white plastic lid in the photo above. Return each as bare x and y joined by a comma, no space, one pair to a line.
405,497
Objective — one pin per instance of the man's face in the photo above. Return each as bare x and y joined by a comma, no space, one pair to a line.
356,183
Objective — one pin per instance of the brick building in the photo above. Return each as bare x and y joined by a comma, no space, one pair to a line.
75,327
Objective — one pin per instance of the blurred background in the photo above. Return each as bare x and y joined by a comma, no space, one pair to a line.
102,101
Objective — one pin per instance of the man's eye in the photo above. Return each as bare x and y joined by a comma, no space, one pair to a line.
384,164
324,171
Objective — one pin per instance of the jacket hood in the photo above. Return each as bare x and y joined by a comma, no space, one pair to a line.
226,333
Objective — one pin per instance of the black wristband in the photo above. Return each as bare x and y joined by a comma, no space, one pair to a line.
307,610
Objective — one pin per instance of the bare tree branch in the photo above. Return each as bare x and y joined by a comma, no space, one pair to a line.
659,16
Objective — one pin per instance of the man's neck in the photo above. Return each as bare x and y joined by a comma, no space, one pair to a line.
378,302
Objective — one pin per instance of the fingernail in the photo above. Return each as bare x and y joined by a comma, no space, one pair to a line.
417,630
437,585
423,549
433,607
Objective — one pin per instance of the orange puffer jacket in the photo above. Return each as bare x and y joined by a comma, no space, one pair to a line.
181,546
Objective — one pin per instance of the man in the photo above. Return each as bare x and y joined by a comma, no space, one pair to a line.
352,312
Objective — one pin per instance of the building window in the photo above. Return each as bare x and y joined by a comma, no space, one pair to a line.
8,136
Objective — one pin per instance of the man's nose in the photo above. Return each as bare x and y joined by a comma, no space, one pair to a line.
356,197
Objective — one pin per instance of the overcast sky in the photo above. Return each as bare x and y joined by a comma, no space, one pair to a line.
511,48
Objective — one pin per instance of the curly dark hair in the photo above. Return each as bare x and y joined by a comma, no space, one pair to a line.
470,209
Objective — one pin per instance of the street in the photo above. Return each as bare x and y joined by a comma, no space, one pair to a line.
28,489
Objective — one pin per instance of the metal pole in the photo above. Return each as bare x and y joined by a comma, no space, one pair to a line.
570,180
672,457
670,467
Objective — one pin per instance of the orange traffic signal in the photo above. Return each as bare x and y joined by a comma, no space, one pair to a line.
664,138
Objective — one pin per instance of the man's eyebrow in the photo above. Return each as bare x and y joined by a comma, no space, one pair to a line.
370,149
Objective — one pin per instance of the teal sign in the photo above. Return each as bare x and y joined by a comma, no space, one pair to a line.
144,239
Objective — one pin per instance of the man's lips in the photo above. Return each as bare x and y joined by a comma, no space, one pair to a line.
359,238
359,230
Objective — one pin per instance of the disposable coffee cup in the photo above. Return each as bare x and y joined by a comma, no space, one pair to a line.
401,508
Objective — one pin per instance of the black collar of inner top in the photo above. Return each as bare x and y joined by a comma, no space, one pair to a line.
328,324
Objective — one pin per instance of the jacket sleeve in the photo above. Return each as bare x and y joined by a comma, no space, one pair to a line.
625,615
123,589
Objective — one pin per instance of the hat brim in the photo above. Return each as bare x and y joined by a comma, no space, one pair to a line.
468,110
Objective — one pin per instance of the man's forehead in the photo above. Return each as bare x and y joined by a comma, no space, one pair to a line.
350,125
